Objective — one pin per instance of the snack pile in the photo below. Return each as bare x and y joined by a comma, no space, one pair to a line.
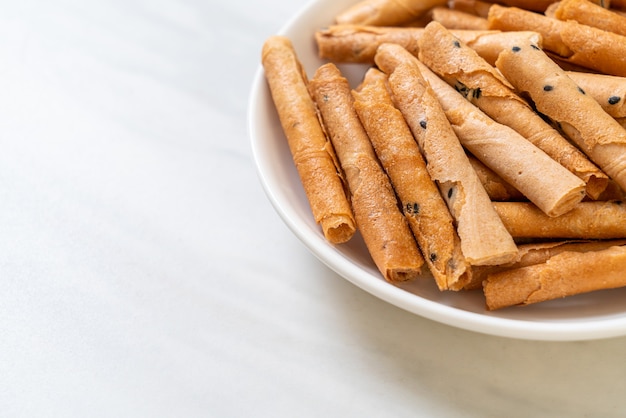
486,142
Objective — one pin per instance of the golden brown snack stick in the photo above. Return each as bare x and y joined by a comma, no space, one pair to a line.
358,43
476,7
578,44
534,5
386,12
588,220
379,220
312,152
455,19
524,166
590,14
484,240
422,204
495,186
557,96
608,90
565,274
514,18
481,84
536,253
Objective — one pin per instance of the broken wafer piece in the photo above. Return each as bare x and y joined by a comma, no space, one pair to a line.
530,170
381,223
566,274
588,220
312,153
484,240
421,202
481,84
557,96
386,12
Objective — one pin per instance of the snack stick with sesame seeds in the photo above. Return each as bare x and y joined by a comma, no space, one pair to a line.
484,240
557,96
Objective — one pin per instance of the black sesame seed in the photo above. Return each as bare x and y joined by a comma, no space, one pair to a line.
581,90
433,257
423,124
614,100
457,44
534,46
516,49
450,191
548,88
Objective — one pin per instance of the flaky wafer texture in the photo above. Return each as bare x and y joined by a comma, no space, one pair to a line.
588,220
349,43
608,90
484,240
379,220
565,274
536,253
312,152
386,12
557,96
590,14
527,168
422,204
481,84
436,231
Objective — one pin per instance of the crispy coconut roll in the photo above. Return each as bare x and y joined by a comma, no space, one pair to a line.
520,163
536,253
574,43
534,5
608,90
312,153
558,97
386,12
566,274
423,206
588,220
484,240
590,14
383,227
358,43
455,19
481,84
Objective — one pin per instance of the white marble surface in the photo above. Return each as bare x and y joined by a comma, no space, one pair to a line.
143,272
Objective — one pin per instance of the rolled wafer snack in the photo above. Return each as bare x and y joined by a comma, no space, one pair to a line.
590,14
588,220
475,7
565,274
422,204
558,97
608,90
312,153
358,43
534,5
386,12
573,42
481,84
536,253
484,240
383,227
495,186
455,19
530,170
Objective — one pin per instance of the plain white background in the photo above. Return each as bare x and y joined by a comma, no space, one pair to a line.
143,272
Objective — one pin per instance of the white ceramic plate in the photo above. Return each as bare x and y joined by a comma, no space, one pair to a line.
590,316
